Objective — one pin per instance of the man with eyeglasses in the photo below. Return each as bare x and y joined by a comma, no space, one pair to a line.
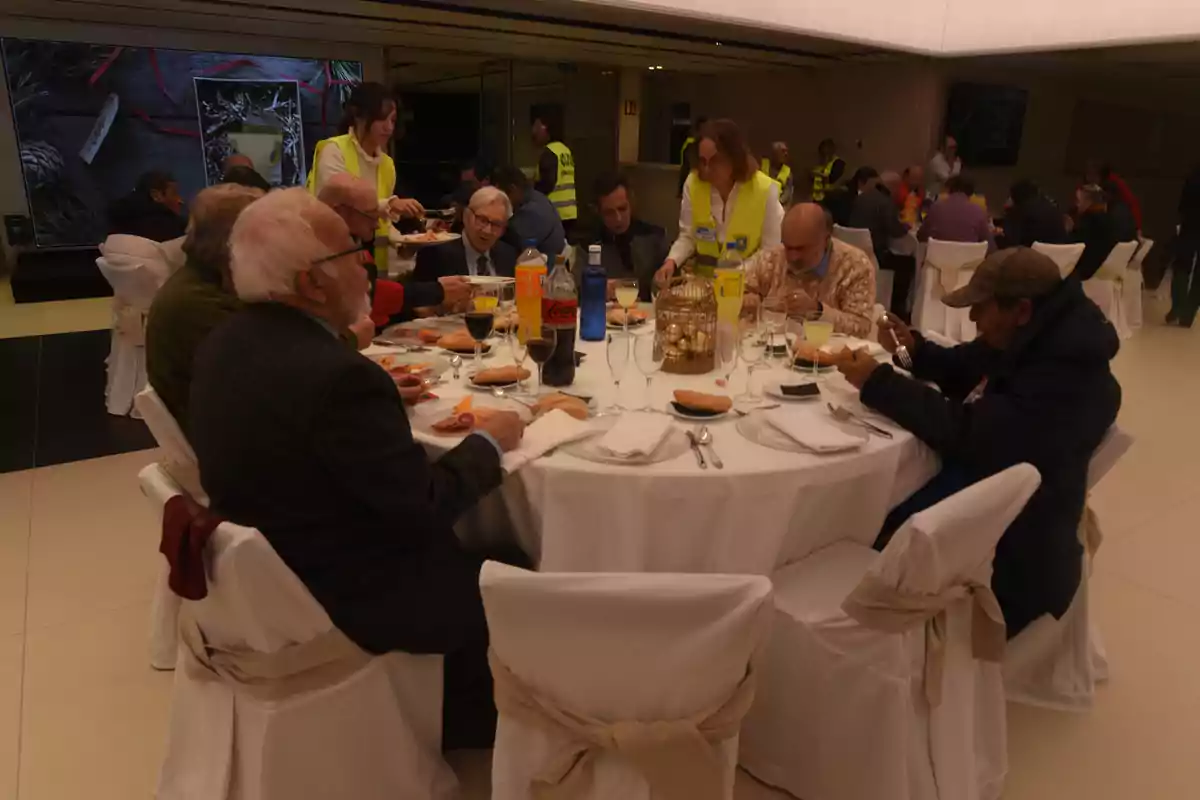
480,251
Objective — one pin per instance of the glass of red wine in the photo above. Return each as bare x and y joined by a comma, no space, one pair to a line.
479,325
541,347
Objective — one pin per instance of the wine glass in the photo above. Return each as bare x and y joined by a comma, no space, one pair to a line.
774,322
480,321
754,353
817,333
725,348
627,297
649,354
540,348
618,359
518,349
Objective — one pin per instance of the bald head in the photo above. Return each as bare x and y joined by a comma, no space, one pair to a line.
805,233
237,160
891,180
354,201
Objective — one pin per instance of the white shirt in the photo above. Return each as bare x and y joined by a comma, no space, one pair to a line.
473,259
939,171
685,245
332,162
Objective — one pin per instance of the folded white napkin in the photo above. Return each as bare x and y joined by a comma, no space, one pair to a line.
547,432
638,433
854,343
810,430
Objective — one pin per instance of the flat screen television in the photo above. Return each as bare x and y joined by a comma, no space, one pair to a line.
987,120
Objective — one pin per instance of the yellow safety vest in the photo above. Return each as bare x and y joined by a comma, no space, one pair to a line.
688,142
385,181
785,173
744,229
563,193
821,179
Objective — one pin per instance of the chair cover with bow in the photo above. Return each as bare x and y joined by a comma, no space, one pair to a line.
1107,287
882,679
621,685
1056,663
1066,256
271,702
1135,284
947,266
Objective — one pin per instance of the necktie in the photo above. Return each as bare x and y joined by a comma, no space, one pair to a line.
482,267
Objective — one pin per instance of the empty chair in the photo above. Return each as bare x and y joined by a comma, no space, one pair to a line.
878,684
1065,255
948,265
1107,286
861,238
1134,284
1056,663
626,686
271,702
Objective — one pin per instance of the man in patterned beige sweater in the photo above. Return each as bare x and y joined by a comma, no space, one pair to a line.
810,271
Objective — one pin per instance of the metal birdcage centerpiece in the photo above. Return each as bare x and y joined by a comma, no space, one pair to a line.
685,316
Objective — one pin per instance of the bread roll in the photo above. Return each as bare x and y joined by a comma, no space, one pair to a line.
716,403
459,342
500,376
572,405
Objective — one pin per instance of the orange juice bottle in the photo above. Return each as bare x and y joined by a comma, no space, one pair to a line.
531,270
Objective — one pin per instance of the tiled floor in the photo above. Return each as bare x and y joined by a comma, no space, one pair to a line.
82,715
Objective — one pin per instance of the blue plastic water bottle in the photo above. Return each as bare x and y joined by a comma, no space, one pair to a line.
592,313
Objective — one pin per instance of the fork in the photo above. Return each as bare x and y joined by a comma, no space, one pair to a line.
901,351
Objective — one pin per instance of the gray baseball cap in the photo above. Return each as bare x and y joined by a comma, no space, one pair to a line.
1009,274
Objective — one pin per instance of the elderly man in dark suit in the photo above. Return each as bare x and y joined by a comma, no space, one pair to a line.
479,251
304,439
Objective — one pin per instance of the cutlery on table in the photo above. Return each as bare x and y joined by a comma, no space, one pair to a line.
456,364
901,351
845,415
706,439
741,413
696,449
505,394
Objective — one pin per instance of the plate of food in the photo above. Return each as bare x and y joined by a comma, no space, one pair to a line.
574,406
806,355
459,418
508,377
489,281
793,392
459,342
616,318
423,239
699,406
425,365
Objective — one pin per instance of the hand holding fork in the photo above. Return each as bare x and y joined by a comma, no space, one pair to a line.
896,338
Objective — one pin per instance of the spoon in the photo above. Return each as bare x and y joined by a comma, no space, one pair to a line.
705,438
456,364
845,415
504,394
741,413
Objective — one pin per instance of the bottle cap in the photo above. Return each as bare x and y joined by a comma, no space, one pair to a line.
593,248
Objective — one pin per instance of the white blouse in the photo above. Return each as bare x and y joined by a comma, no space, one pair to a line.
332,162
685,245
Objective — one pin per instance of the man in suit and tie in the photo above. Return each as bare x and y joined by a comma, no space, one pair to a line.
304,439
479,251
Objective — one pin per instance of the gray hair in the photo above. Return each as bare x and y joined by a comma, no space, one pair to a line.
274,240
490,195
214,212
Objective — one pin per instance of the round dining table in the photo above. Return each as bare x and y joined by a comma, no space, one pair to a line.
765,509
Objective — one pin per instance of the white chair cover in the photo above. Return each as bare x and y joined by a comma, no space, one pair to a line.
1056,663
884,278
1107,286
1066,256
842,712
179,461
1135,283
947,266
619,648
135,268
374,735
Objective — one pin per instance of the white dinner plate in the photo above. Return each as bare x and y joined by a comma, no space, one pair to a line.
701,417
612,326
673,445
389,361
774,390
423,415
469,355
488,280
423,239
756,428
473,386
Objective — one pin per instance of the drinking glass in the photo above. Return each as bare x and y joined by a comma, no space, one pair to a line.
817,333
519,350
507,294
774,323
618,360
754,353
649,354
725,349
627,297
540,349
479,325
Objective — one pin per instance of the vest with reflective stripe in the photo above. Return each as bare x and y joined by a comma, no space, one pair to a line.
821,179
385,180
785,172
563,193
743,229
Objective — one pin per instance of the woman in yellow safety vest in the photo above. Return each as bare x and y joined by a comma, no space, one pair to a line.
728,203
368,122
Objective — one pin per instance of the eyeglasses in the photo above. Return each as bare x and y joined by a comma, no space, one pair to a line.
336,256
485,223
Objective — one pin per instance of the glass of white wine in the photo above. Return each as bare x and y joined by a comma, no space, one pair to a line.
627,297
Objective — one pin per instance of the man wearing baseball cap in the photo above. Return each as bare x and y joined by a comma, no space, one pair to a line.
1036,387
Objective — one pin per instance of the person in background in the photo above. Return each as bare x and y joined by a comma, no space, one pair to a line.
1099,174
1035,387
778,168
556,169
726,200
153,210
245,176
1124,224
944,165
1031,217
839,200
874,210
687,153
1185,275
828,171
1094,228
629,246
368,123
309,443
900,257
481,250
476,173
811,272
910,196
534,216
956,218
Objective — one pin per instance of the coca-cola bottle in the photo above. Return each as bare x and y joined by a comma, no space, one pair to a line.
560,309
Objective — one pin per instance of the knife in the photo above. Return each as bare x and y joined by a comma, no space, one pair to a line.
696,449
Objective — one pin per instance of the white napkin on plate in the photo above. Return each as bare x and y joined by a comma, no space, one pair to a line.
547,432
874,349
638,433
812,431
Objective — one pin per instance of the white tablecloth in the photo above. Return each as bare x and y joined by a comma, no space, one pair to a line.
767,508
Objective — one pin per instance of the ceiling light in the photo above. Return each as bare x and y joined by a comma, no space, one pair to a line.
718,44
